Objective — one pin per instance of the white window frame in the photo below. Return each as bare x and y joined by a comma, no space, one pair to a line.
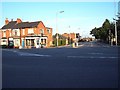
48,30
16,30
23,31
41,31
30,31
4,33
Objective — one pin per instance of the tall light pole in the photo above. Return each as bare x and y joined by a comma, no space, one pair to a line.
57,25
115,23
69,36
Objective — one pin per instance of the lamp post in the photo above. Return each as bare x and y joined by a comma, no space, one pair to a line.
57,26
69,36
115,31
115,23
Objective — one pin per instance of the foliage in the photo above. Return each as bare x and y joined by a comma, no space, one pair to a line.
103,33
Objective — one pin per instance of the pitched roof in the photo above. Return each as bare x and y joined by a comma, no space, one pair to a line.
15,25
9,25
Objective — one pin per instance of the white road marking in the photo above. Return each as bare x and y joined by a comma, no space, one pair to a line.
26,54
32,54
91,57
96,53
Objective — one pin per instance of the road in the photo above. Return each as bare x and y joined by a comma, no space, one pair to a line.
91,65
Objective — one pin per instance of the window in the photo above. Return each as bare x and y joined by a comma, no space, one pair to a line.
16,42
15,32
28,42
4,33
30,31
41,31
3,40
48,30
23,31
10,34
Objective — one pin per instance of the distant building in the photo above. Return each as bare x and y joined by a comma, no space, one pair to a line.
26,34
74,36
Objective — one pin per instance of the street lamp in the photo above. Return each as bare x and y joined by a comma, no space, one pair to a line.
115,23
69,36
57,26
115,31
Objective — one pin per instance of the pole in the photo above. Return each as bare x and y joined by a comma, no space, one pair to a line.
115,23
57,26
56,29
69,36
115,32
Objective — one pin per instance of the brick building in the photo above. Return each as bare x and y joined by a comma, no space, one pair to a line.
74,36
26,34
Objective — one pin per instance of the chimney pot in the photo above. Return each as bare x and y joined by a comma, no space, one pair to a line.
19,20
6,21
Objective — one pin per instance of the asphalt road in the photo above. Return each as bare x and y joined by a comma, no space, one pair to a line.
92,65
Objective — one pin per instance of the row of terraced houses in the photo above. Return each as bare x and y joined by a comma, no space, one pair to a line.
26,34
29,34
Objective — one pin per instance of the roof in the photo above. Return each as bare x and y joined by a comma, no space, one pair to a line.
48,27
9,25
15,25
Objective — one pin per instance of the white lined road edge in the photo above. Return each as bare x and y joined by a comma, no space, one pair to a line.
27,54
31,54
92,57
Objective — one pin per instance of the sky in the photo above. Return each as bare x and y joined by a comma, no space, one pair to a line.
78,17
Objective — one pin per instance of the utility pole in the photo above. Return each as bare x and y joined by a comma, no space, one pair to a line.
57,25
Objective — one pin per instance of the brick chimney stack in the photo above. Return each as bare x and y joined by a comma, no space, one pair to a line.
6,21
19,20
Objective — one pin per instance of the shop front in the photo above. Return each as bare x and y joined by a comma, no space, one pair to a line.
35,42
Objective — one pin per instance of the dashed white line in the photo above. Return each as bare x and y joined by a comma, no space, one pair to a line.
91,57
96,53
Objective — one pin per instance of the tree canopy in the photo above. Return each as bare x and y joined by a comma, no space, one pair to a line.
106,30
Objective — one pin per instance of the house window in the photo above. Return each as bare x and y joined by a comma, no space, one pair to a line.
48,30
17,42
10,34
41,31
4,33
15,32
30,31
23,31
3,40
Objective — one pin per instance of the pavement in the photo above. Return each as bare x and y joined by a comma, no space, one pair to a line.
88,66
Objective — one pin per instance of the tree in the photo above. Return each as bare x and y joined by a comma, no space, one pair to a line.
102,33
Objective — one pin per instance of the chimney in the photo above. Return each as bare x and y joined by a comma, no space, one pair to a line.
6,21
19,20
11,19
